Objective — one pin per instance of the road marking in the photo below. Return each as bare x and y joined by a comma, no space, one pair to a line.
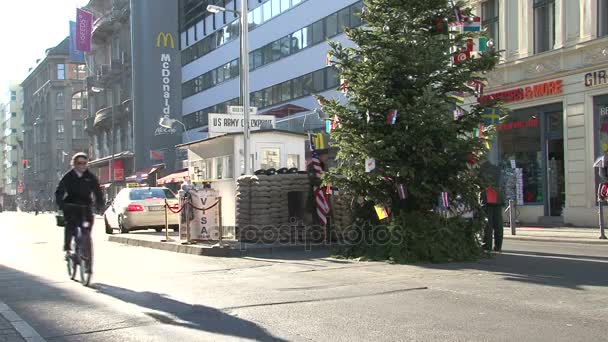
23,328
555,257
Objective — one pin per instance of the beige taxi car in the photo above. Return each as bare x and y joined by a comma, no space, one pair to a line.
141,208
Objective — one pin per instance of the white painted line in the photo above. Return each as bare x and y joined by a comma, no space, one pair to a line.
555,257
23,328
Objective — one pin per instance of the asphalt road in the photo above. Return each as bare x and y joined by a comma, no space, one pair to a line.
534,291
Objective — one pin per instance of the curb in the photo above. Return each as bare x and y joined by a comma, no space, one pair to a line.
210,251
550,239
22,327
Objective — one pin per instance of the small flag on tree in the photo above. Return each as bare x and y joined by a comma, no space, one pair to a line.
335,123
477,86
461,56
381,212
392,117
402,191
457,95
328,126
344,86
472,24
458,113
370,165
477,44
491,116
445,200
478,132
441,26
459,17
328,59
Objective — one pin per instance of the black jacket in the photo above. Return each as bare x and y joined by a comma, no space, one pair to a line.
78,190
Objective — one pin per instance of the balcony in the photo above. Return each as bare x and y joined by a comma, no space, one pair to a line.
102,115
102,26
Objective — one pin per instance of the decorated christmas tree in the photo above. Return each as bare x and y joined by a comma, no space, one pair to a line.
408,145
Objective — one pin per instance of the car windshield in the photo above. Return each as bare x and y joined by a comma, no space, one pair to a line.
144,194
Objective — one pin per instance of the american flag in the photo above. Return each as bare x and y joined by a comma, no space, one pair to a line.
321,202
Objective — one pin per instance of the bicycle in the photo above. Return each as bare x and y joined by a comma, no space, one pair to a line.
81,252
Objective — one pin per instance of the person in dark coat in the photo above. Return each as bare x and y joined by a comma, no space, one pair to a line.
74,196
493,202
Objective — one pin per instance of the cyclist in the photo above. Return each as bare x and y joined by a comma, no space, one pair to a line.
74,196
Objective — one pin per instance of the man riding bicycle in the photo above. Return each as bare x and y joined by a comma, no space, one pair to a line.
74,196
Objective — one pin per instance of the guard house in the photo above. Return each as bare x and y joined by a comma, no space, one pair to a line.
219,160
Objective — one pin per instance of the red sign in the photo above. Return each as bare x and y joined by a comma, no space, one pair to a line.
507,126
119,174
526,93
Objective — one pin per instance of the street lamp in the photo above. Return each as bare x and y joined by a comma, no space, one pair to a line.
244,73
167,122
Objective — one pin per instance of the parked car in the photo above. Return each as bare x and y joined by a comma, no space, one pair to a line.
141,208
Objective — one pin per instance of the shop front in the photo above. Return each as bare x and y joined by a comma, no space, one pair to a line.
547,143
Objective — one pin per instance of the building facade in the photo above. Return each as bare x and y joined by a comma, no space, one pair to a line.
553,78
287,55
11,146
108,84
54,109
133,80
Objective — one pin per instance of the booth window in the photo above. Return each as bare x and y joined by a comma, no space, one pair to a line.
219,167
293,160
271,158
519,142
229,166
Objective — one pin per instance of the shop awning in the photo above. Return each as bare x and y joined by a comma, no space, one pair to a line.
176,177
144,173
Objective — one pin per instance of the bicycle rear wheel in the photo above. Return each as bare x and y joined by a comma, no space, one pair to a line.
71,262
86,259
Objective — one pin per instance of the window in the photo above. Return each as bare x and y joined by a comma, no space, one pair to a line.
219,168
544,25
77,101
285,5
343,19
285,47
13,95
60,129
229,163
61,71
296,41
600,105
60,101
293,160
317,32
489,13
270,158
143,194
331,25
519,142
602,18
78,129
318,81
267,11
355,14
276,7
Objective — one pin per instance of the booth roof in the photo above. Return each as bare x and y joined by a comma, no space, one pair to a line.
241,133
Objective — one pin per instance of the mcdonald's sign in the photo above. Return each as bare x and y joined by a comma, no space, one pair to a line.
166,38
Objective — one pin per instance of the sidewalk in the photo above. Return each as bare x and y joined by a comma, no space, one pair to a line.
231,248
559,234
15,329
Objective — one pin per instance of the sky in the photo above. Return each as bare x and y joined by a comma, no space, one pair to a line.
28,28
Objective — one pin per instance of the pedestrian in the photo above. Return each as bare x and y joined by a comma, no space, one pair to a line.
493,202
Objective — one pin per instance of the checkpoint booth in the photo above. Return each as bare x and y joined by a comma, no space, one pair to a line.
217,162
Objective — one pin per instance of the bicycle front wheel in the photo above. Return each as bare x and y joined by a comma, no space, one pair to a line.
86,259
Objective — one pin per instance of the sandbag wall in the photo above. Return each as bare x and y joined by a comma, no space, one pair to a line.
262,207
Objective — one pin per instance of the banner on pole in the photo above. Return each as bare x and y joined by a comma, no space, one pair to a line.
84,27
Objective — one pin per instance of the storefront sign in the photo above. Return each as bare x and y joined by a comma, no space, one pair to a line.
526,93
596,78
226,123
507,126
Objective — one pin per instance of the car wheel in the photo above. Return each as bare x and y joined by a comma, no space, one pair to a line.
158,230
109,229
121,225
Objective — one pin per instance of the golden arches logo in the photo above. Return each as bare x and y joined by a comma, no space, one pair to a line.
166,39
